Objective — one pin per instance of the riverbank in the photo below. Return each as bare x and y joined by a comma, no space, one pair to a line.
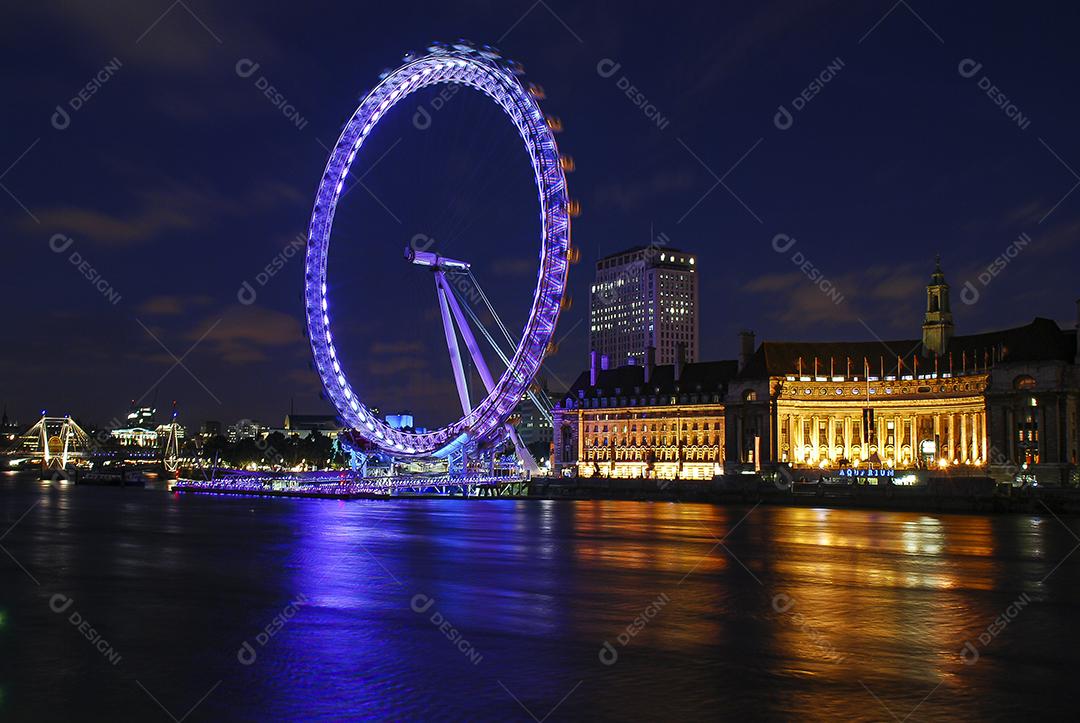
946,495
962,495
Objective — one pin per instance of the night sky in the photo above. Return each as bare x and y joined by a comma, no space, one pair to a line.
178,180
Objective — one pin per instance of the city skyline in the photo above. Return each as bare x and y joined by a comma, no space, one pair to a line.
146,260
539,360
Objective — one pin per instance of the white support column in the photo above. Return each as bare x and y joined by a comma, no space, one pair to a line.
984,436
964,451
847,438
447,298
937,437
799,443
830,435
898,433
952,437
452,345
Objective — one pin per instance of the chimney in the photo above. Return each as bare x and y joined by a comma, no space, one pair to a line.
594,357
604,362
746,347
680,359
650,361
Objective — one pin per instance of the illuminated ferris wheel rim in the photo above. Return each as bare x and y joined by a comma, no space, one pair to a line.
483,70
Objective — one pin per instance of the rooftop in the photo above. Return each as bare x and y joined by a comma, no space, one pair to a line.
1041,340
630,380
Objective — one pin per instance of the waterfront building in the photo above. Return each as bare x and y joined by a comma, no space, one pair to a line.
164,430
645,297
654,421
9,428
139,428
1003,404
302,425
533,424
246,429
400,421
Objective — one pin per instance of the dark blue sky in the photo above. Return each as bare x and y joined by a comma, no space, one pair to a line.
178,180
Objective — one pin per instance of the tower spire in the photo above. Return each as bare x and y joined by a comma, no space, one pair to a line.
938,322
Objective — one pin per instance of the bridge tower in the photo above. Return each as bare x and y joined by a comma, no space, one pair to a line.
170,452
56,441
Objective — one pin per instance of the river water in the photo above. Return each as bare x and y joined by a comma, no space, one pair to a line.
125,604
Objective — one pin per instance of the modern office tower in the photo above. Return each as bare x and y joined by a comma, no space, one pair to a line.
645,297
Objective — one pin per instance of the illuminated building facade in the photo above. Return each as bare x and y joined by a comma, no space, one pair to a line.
247,429
660,422
1002,403
139,430
645,297
533,426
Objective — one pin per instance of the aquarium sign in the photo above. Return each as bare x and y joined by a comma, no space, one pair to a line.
865,473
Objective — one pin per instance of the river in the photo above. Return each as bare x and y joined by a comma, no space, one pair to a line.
138,604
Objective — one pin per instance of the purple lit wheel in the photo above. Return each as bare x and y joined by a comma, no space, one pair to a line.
483,70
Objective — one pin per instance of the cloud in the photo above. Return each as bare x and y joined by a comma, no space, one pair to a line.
172,305
176,36
116,230
249,334
872,295
175,207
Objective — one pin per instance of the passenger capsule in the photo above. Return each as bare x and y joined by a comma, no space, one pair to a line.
573,207
567,163
554,123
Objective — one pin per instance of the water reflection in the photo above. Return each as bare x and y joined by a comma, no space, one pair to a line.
766,612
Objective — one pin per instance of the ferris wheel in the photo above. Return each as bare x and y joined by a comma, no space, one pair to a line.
485,423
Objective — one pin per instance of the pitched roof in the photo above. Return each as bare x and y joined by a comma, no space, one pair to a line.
696,376
1041,340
